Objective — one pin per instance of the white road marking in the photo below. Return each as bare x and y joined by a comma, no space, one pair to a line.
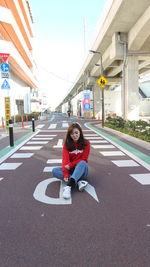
94,138
98,141
37,143
142,178
46,135
10,166
1,178
102,146
22,155
65,125
39,126
90,135
125,163
112,153
91,190
49,169
54,161
52,126
42,138
40,193
31,147
59,143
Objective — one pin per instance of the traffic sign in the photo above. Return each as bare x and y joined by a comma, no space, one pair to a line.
4,56
102,81
5,85
5,67
5,75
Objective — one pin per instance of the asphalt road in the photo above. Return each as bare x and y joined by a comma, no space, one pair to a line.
106,225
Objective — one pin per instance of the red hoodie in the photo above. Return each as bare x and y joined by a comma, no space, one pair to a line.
71,158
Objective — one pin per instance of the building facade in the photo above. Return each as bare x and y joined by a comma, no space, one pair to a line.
16,36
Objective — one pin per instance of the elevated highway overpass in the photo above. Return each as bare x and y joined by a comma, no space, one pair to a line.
122,52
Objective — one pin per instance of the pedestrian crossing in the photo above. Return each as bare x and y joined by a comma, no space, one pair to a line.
104,147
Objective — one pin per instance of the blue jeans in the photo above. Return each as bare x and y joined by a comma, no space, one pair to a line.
79,172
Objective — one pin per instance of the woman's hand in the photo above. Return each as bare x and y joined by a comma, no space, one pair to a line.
66,179
67,167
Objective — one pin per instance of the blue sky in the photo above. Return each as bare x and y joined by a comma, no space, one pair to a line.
63,33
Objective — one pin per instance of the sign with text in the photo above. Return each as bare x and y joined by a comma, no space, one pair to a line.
5,75
7,111
86,101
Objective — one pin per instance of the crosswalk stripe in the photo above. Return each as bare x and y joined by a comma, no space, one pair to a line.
102,146
49,169
98,141
22,155
90,135
112,153
54,161
142,178
45,135
94,138
65,124
37,143
125,163
42,138
52,126
31,147
39,126
10,166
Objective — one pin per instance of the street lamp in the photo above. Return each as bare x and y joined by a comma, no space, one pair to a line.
101,65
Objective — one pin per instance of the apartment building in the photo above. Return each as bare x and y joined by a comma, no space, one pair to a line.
16,36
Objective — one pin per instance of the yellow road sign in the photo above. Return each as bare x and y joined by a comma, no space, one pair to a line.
102,81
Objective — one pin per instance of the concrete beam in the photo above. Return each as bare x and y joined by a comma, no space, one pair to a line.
139,32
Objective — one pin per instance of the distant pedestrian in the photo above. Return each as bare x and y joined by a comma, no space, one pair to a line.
75,155
69,112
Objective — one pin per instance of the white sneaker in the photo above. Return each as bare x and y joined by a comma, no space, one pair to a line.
82,184
67,192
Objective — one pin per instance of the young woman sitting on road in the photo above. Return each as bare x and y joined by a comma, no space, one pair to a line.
75,155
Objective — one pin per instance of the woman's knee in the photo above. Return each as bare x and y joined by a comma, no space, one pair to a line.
82,163
55,171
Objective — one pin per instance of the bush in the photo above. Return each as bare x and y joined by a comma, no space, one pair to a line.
139,129
18,117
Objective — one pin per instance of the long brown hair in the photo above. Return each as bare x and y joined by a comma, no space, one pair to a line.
68,140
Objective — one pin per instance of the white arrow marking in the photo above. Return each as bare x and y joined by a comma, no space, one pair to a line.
91,191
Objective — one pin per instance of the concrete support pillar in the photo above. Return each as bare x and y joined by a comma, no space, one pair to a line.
130,89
